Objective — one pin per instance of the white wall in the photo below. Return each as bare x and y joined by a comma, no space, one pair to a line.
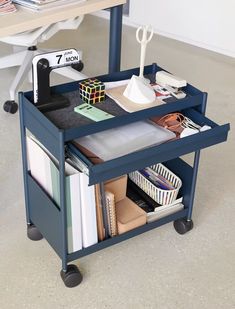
205,23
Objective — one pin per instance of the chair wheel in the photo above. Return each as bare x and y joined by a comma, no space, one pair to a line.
72,277
10,107
183,226
78,66
33,233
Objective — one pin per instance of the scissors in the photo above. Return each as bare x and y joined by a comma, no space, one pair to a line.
144,40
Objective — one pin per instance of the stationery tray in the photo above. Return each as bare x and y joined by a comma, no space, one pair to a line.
54,133
69,121
161,195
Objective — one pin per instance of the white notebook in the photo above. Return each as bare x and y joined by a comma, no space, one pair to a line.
89,223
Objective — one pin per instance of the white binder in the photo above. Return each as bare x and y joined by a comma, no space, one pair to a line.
89,223
44,170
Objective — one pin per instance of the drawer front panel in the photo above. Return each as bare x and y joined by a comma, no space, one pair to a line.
164,152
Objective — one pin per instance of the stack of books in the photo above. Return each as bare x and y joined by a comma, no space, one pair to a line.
41,5
6,7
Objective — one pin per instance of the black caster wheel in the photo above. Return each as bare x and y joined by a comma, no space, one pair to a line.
10,107
33,233
72,277
182,226
78,66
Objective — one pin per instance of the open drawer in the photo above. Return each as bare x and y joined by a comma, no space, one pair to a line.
155,154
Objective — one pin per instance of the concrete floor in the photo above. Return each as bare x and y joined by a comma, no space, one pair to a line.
159,269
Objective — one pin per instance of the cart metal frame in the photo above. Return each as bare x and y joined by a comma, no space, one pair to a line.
48,220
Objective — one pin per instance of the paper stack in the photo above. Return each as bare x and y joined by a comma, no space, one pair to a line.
6,7
41,5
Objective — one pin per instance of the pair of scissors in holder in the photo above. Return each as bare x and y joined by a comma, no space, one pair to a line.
144,39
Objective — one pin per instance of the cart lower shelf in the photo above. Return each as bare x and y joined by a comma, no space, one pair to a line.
47,230
46,215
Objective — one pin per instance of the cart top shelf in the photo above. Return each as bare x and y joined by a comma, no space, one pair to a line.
74,125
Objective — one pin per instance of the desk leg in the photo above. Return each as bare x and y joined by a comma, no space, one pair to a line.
115,38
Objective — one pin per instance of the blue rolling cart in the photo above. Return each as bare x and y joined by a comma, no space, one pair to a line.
45,219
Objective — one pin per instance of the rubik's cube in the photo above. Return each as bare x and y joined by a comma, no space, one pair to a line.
92,91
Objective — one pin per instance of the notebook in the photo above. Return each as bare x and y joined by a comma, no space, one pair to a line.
111,213
89,222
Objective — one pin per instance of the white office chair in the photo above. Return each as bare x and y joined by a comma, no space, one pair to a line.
25,46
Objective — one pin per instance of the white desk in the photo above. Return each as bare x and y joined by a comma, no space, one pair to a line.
24,20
